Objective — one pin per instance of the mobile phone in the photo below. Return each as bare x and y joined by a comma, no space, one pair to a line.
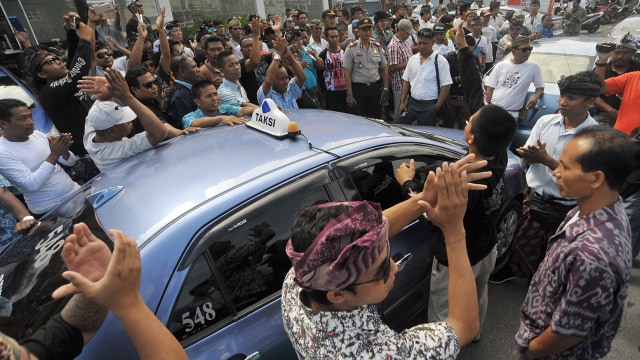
605,47
15,23
103,8
76,22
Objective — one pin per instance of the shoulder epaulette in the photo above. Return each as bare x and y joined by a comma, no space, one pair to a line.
352,44
376,44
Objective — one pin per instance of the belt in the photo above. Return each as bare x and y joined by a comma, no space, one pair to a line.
423,101
456,97
367,84
557,200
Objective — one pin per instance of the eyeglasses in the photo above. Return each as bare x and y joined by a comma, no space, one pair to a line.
527,49
385,272
236,28
103,55
150,84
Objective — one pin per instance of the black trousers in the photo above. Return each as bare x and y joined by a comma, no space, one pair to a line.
368,99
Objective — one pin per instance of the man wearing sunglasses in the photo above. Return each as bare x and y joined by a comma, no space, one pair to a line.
57,81
509,81
341,267
137,10
105,59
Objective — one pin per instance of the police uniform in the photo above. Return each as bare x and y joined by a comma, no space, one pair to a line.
366,80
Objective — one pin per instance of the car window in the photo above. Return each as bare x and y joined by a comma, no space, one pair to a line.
554,66
372,175
243,262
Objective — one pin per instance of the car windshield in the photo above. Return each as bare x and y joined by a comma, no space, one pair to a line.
554,66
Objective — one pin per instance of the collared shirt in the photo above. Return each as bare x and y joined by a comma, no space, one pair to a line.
399,52
546,33
443,49
359,334
286,100
581,285
183,83
532,22
224,109
550,129
365,64
422,77
318,46
232,93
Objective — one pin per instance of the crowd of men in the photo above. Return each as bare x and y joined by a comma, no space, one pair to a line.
116,95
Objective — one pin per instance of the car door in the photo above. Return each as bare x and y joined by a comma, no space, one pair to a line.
371,176
228,303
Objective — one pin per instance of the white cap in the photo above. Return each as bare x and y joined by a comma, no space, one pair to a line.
106,114
474,6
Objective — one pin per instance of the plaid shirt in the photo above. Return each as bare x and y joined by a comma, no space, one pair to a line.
399,52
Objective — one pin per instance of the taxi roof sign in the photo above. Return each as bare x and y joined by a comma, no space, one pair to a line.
269,119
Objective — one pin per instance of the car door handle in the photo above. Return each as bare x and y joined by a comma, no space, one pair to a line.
252,356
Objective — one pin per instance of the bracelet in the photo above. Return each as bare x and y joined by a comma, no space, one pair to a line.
28,217
601,64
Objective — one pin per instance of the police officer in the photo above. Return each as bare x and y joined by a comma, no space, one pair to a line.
365,73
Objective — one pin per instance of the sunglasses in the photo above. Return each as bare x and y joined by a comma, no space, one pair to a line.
527,49
51,60
236,28
150,84
103,55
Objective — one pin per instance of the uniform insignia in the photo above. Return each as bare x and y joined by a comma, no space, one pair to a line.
352,44
376,44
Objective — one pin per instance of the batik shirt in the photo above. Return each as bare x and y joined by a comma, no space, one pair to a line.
582,283
359,334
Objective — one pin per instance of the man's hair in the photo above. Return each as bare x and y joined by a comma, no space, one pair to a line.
173,42
546,16
610,151
268,31
213,39
133,74
197,88
493,129
179,63
308,224
345,13
326,31
582,77
534,2
222,56
6,105
356,8
302,12
494,5
102,45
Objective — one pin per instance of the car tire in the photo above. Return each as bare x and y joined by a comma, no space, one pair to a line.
594,27
506,226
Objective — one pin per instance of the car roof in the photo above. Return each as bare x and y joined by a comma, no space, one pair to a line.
577,45
630,24
156,187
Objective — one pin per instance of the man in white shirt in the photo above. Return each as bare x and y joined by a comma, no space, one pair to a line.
30,160
316,42
509,81
420,78
108,124
533,19
441,44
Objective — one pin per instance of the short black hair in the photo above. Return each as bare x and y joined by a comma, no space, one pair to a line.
300,12
610,151
493,129
133,74
213,39
6,105
534,2
494,5
222,56
326,30
196,89
102,45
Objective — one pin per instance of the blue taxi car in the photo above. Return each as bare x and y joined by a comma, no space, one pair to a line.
212,211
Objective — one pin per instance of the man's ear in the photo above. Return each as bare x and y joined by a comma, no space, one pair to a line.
336,297
197,101
599,179
3,124
41,74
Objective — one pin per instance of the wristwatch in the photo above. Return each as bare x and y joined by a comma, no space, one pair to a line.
276,57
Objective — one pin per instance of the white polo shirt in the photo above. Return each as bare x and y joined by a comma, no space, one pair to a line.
422,77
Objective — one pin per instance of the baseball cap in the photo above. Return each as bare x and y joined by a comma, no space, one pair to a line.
106,114
365,23
439,28
476,19
486,12
315,23
405,25
425,32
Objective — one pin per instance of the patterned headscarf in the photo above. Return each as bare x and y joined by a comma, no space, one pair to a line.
336,257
